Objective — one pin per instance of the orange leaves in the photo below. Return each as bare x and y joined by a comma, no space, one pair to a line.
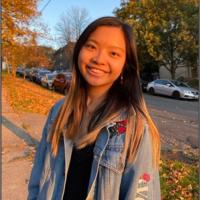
15,17
179,180
16,28
25,96
38,56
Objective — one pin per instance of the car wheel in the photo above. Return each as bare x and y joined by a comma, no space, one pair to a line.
176,95
53,88
64,91
151,91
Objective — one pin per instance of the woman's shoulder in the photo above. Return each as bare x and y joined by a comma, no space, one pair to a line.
55,108
58,104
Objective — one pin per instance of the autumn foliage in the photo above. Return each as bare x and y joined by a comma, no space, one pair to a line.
19,33
166,30
26,96
16,17
39,56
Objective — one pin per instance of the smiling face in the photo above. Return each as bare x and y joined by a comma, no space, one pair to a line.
102,57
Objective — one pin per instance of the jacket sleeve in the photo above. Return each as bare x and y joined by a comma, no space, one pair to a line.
140,180
33,186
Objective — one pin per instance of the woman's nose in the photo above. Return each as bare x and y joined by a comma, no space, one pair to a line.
99,57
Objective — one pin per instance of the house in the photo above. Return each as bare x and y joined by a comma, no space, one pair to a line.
63,57
181,72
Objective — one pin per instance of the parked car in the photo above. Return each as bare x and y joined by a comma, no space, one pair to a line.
144,84
20,71
47,80
40,74
27,73
173,88
33,73
61,82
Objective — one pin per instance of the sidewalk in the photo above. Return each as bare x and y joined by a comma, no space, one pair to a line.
19,138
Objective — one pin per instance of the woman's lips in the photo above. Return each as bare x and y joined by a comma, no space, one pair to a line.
96,71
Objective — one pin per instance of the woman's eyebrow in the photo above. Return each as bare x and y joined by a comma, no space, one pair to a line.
112,46
119,48
91,40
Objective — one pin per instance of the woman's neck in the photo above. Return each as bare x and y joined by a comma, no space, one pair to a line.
94,98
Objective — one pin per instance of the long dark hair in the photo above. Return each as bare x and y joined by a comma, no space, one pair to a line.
129,93
126,96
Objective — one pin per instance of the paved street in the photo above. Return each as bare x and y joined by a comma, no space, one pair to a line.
178,119
20,134
187,108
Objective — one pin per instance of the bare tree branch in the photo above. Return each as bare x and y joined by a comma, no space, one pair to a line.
71,24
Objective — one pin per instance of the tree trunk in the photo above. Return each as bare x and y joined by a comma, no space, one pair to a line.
13,70
173,71
7,67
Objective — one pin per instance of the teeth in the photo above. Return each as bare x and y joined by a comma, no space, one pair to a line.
95,70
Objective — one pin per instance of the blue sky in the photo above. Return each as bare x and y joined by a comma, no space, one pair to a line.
51,14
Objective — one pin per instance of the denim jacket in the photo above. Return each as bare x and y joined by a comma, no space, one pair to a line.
111,177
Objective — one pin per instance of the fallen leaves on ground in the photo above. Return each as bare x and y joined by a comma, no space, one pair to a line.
26,96
179,181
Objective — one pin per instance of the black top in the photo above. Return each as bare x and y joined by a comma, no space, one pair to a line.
79,173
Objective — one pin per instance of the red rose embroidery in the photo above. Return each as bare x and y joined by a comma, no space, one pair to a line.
118,129
121,129
123,123
146,177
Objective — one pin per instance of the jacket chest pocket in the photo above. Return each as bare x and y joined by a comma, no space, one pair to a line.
111,157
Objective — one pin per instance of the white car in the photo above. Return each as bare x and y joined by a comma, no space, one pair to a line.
172,88
47,80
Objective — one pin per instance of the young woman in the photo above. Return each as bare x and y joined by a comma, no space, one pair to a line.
99,143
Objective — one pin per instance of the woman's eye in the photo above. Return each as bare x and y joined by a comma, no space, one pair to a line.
90,46
115,54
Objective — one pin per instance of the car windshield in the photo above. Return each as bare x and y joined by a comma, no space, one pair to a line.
43,73
179,84
51,76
